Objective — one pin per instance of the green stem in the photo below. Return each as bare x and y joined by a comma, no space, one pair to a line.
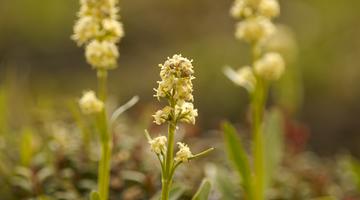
106,141
167,175
258,106
202,153
176,164
102,83
256,51
104,171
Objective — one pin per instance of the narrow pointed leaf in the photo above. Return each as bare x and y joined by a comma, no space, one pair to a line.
237,155
273,134
203,191
355,167
176,192
94,195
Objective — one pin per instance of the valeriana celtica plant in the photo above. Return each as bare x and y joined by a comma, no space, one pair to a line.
176,88
98,30
255,27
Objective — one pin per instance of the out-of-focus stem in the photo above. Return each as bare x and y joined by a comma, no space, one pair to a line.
258,141
258,102
102,84
106,141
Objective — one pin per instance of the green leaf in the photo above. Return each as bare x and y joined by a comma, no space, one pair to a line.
45,173
23,171
273,135
135,176
355,167
81,124
237,155
203,191
222,182
176,192
22,182
226,185
4,110
94,195
26,147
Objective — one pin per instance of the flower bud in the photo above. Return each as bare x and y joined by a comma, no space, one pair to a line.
158,144
271,66
269,8
186,112
102,54
254,29
113,30
90,104
161,116
85,29
183,154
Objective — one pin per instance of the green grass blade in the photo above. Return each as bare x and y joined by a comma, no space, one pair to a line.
3,111
273,134
94,196
355,167
26,148
203,191
176,192
238,157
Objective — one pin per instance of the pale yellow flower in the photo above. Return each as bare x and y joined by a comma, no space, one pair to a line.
271,66
176,79
102,54
186,112
113,30
161,116
158,144
90,104
183,154
243,8
269,8
184,89
85,29
176,85
98,27
254,29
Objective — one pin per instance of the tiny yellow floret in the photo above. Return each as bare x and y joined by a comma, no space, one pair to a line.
90,104
158,144
269,8
102,54
254,29
271,66
183,154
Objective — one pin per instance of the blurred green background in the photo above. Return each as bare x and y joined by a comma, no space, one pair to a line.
38,58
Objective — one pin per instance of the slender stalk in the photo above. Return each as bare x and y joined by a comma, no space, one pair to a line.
202,153
102,84
258,143
106,145
258,105
104,171
167,175
176,164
